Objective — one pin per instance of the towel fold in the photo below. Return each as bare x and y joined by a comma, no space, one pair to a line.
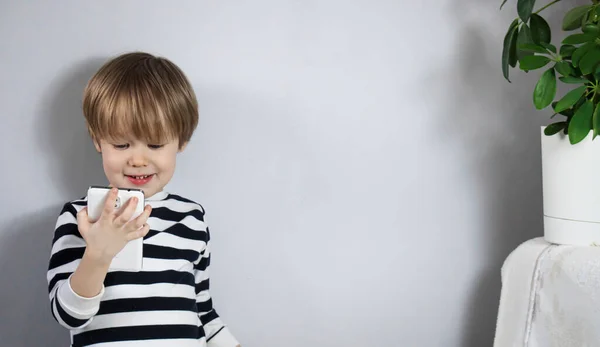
550,297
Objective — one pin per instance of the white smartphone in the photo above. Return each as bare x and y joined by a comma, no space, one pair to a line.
131,257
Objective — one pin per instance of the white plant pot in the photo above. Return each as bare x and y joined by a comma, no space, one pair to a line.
571,190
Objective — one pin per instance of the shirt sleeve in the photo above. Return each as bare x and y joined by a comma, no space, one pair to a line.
68,309
217,334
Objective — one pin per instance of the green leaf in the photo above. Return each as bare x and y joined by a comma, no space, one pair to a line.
576,39
523,38
580,52
580,102
531,47
549,46
540,29
589,61
567,113
524,9
512,58
503,2
545,89
564,68
586,18
554,128
581,123
591,28
596,121
572,80
507,49
569,99
567,50
572,19
533,62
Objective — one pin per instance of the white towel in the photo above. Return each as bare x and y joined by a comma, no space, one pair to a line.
550,297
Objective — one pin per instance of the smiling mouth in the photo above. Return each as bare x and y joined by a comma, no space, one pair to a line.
140,180
139,177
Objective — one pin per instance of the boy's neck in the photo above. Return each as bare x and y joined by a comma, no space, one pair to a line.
157,196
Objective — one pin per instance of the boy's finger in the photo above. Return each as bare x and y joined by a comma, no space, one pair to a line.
82,218
109,204
82,212
126,212
138,233
139,221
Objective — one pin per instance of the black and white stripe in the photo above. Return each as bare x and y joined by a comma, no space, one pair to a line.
166,304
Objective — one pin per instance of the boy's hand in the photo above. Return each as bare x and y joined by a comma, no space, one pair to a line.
107,236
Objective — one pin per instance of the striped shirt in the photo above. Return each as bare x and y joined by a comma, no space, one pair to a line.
167,303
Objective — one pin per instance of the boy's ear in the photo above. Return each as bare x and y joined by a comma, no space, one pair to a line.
97,145
182,147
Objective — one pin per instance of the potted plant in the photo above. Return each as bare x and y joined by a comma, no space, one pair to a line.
570,156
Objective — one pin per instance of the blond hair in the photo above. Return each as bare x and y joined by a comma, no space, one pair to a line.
141,95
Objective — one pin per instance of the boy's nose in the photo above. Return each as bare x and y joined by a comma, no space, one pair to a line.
138,161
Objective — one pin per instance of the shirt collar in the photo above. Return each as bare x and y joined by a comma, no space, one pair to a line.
158,196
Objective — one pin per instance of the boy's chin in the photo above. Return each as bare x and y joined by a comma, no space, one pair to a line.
148,192
151,188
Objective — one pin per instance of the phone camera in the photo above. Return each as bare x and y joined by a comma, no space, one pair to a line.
118,203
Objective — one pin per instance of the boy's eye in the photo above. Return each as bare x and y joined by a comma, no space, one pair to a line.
121,146
155,146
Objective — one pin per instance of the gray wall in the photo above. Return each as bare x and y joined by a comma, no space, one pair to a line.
364,166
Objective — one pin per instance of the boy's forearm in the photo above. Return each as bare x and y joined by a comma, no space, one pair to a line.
88,278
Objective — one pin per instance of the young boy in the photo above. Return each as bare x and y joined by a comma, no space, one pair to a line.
141,112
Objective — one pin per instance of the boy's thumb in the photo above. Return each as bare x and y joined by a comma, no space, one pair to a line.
82,218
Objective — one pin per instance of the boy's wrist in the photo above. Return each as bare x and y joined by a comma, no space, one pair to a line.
88,278
96,258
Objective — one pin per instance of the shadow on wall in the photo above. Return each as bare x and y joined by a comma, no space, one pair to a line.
72,161
23,294
497,123
72,165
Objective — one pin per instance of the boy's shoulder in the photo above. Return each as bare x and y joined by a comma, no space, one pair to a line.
173,207
171,197
176,208
74,206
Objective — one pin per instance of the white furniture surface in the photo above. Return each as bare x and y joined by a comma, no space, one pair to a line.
550,296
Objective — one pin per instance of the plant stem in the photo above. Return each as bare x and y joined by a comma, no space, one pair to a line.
545,7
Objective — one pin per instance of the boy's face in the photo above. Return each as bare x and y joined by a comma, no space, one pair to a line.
137,164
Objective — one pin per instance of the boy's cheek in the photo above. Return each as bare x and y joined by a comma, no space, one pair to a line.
111,163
